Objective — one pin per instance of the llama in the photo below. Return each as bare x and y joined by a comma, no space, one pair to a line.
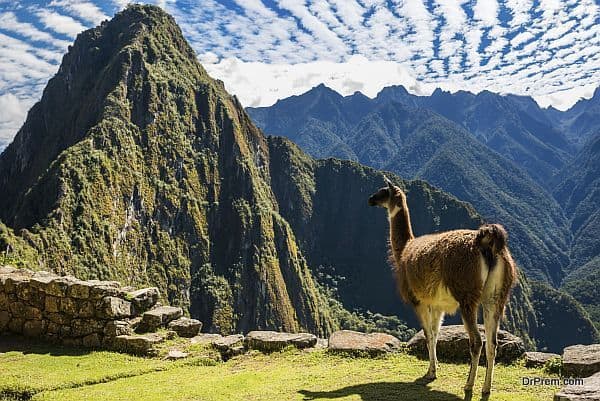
440,273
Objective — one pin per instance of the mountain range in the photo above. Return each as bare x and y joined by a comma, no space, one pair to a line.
516,163
137,166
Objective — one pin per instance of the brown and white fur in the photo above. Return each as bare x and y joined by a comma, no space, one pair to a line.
440,273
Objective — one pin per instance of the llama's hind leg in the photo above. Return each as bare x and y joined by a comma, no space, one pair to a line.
491,319
424,315
436,321
469,317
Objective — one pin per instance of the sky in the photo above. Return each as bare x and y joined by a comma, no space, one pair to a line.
265,50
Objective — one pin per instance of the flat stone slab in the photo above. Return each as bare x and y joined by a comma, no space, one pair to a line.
581,360
185,327
175,354
137,344
348,341
453,345
589,391
268,341
538,359
205,338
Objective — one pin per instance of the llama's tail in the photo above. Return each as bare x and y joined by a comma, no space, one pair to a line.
490,240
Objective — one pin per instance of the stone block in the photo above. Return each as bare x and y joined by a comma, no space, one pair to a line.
57,287
538,359
137,344
453,345
157,317
144,298
116,328
59,318
581,360
34,328
84,327
185,327
114,308
69,306
15,325
32,313
51,304
4,319
93,340
86,309
79,290
4,302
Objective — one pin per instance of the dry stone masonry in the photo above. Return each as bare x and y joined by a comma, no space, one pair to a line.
93,313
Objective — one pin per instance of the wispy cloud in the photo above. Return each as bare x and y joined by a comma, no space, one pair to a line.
60,23
264,50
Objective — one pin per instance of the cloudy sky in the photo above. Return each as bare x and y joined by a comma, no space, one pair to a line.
269,49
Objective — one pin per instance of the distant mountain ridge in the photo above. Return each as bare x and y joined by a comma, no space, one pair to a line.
393,132
533,169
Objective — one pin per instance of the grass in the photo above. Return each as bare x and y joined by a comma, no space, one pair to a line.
53,373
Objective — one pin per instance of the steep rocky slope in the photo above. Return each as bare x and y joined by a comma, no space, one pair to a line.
137,165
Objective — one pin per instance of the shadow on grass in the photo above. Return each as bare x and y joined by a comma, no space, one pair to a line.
388,391
11,343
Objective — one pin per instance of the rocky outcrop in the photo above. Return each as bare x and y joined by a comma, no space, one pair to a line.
588,391
347,341
535,359
581,360
453,345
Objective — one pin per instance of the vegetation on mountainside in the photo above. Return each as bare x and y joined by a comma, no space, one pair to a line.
53,373
584,285
578,190
561,319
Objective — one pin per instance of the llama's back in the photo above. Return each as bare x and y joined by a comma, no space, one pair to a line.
430,260
433,267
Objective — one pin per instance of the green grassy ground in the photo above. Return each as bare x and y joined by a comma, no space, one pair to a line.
54,373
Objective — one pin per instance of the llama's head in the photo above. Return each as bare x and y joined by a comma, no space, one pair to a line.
390,197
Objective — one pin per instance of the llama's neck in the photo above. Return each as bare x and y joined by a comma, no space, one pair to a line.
400,230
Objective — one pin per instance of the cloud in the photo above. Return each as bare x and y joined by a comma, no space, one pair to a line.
10,22
59,23
259,84
265,50
85,10
14,111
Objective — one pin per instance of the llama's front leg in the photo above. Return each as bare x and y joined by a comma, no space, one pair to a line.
469,317
490,319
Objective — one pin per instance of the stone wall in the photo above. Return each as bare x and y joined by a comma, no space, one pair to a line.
70,311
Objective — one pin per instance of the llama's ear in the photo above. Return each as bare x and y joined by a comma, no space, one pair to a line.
389,183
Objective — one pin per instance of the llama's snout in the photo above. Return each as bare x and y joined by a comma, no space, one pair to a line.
372,201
